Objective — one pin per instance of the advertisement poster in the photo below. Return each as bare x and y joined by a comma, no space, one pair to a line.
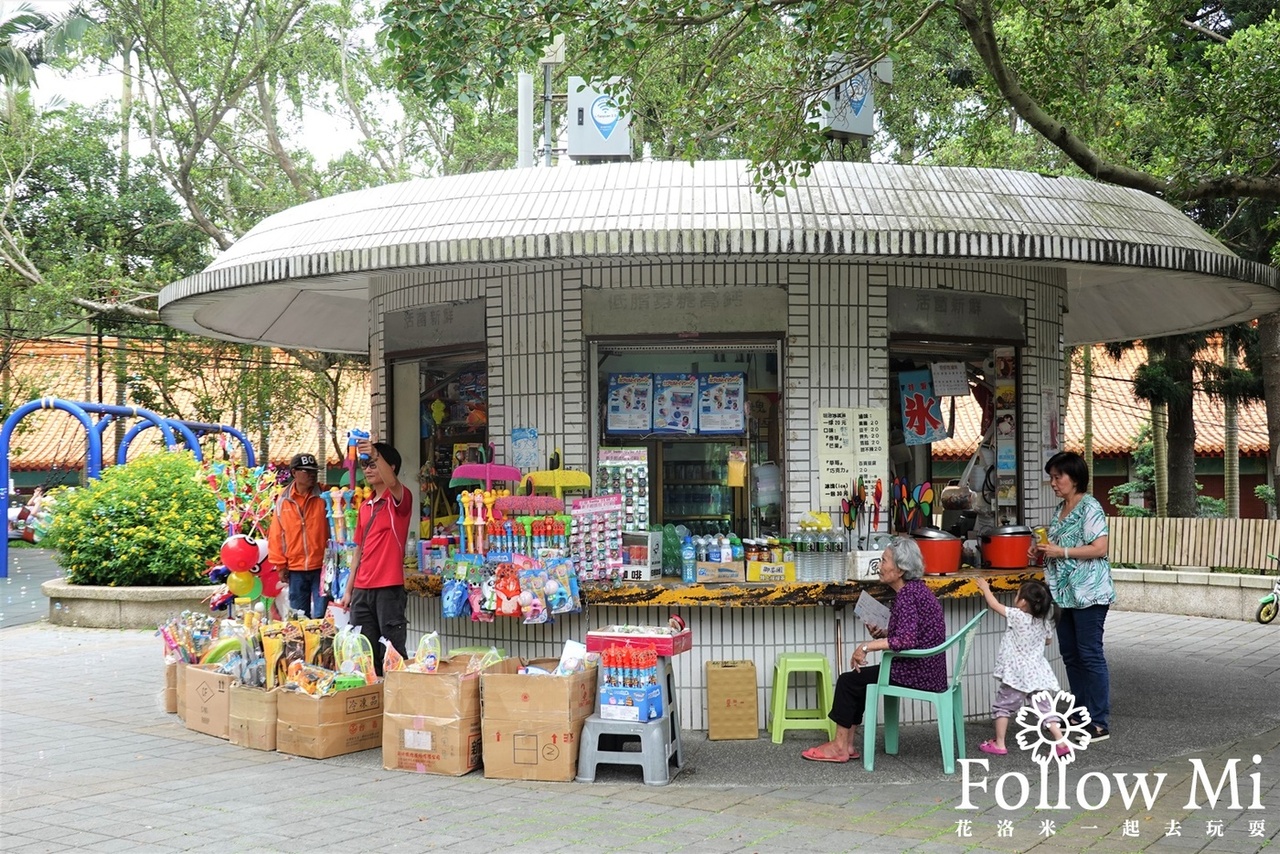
630,408
921,409
675,399
949,379
524,448
722,403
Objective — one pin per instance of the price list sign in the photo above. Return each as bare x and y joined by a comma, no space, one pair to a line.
871,453
836,456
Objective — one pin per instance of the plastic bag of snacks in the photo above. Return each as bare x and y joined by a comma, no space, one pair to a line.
353,654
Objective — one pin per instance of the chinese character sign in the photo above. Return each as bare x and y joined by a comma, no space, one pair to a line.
921,410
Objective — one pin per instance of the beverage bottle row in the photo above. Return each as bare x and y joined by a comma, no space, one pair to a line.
820,555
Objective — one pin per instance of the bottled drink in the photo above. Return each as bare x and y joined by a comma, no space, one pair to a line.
700,545
838,540
713,549
803,566
688,555
824,556
738,550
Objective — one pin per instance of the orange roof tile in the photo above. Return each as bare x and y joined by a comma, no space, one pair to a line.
45,439
1117,415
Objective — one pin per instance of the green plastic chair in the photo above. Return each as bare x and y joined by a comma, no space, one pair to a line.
949,703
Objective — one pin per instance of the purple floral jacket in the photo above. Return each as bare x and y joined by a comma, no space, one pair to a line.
916,622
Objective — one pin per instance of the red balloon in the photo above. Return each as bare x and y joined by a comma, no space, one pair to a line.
270,576
239,553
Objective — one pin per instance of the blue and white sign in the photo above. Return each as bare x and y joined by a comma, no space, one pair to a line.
604,113
598,130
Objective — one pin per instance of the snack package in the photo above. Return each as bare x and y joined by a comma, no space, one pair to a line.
273,652
428,656
354,655
453,598
391,657
507,586
572,658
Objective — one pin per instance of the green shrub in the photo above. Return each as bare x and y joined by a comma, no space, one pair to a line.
150,523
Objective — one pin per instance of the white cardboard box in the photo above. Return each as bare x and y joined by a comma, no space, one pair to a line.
646,565
863,566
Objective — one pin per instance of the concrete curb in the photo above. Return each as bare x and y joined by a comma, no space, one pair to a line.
97,607
1220,595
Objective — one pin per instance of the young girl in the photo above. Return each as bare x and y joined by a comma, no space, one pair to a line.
1020,665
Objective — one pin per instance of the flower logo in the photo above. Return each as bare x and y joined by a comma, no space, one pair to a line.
1053,727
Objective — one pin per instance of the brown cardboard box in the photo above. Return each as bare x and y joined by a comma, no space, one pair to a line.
208,700
731,700
320,727
171,686
253,717
180,681
432,720
531,725
720,573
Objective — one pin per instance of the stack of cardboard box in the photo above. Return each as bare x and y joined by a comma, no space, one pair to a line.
331,725
432,720
532,724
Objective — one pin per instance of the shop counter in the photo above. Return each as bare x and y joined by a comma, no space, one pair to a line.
743,621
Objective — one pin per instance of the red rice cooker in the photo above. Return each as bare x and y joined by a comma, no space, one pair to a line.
941,551
1006,547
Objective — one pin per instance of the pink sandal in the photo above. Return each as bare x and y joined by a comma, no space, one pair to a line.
989,746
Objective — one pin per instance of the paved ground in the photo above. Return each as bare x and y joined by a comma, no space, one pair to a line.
20,598
90,761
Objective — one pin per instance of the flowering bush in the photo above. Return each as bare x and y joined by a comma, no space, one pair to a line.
150,523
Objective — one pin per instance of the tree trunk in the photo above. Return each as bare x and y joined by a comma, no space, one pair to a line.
1269,341
1088,411
1160,457
1182,433
1231,458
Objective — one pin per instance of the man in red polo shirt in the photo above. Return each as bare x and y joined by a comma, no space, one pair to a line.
375,594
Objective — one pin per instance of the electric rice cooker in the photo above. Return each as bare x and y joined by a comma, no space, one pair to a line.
941,551
1006,547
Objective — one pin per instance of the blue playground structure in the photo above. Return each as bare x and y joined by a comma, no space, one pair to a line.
190,431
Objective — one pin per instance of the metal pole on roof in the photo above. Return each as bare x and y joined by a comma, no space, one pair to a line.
524,120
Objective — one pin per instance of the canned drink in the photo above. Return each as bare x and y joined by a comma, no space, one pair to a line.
1042,534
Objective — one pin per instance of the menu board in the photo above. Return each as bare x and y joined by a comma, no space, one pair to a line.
871,440
630,407
675,398
722,403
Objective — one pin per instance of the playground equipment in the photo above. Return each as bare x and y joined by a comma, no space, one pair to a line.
169,429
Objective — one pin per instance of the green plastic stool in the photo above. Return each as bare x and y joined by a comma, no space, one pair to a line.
474,650
784,718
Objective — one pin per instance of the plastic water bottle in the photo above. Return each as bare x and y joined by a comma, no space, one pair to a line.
688,558
838,540
823,542
804,565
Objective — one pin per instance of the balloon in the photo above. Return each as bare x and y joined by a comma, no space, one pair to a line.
270,578
239,553
255,590
240,583
262,549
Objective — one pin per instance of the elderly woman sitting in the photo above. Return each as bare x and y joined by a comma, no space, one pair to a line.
915,622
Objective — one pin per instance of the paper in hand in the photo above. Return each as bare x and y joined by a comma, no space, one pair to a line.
871,611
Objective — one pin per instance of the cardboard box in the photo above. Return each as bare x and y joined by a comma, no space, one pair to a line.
171,687
531,724
332,725
431,724
665,644
732,700
208,700
641,556
863,566
720,573
180,676
631,704
253,717
776,572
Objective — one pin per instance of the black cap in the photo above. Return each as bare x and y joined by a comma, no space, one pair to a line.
304,462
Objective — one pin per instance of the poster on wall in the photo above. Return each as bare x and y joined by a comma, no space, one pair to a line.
722,403
921,409
871,457
836,457
524,448
1049,424
949,379
630,407
675,403
835,481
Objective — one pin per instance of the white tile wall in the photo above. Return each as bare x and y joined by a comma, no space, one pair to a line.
755,634
835,355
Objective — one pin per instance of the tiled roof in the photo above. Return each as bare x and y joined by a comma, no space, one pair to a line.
47,438
1135,265
1117,415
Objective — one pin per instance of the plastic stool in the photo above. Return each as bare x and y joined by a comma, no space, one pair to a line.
784,718
604,742
474,650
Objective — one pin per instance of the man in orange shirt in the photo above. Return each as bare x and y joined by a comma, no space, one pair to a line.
299,535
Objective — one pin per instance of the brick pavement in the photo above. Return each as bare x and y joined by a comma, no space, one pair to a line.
89,761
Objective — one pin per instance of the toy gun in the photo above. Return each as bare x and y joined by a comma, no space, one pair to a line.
353,439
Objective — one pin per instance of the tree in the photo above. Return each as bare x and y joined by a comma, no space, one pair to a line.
1174,99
